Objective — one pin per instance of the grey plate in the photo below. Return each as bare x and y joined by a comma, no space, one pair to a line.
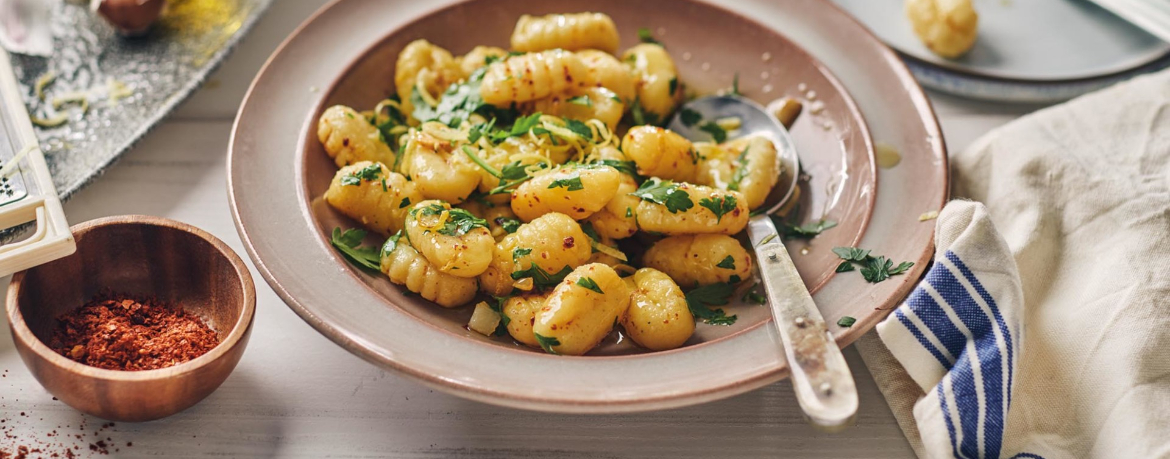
1026,40
162,68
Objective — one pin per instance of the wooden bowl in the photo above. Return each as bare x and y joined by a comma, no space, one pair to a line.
142,256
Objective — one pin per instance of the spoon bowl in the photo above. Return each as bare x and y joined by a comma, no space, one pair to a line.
754,119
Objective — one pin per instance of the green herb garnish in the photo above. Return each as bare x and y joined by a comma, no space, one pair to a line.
873,269
405,202
371,173
689,117
741,170
541,279
580,100
349,244
590,284
700,300
719,206
508,224
519,252
547,343
846,321
645,36
717,133
666,193
459,221
727,263
807,230
752,296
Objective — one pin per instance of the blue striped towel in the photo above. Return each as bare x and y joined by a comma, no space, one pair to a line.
958,335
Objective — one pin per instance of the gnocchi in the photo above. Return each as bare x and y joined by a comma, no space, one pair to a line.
348,138
541,251
532,76
405,266
454,240
577,191
658,317
371,194
948,27
581,310
528,174
700,259
571,32
657,89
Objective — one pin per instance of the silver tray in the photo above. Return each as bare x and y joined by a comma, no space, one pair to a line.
159,69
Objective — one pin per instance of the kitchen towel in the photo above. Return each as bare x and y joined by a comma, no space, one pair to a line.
1042,330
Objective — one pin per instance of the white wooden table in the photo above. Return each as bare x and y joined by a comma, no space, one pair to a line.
296,394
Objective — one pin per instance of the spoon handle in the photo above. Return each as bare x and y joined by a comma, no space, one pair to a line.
822,380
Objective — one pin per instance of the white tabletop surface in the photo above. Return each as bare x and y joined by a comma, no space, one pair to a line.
296,394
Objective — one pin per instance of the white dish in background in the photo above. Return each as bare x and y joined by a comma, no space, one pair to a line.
1027,51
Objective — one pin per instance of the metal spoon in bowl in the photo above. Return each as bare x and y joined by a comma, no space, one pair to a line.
823,383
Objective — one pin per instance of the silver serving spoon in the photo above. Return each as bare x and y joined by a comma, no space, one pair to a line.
822,381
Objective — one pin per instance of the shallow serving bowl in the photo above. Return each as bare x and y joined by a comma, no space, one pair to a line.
141,256
346,53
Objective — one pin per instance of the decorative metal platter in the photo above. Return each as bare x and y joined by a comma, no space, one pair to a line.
111,90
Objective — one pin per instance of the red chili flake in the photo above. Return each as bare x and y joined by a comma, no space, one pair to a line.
569,242
122,333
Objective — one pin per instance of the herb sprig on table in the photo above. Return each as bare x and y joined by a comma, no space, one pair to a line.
873,269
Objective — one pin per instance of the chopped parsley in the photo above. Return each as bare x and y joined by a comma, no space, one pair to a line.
509,224
689,117
519,252
727,263
645,36
639,116
405,202
629,212
625,167
587,228
846,321
873,269
735,85
497,305
767,239
752,296
580,100
700,300
807,230
666,193
547,343
456,104
719,206
349,243
459,221
717,132
370,173
570,183
741,170
589,283
579,128
673,85
391,243
541,279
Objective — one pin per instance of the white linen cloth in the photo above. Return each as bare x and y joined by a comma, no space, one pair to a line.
1067,356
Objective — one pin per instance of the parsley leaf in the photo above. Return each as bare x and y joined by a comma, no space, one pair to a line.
456,104
717,133
735,85
719,206
851,253
405,202
666,193
508,224
497,305
349,244
873,269
391,244
459,221
547,343
639,116
700,299
673,85
629,212
590,284
570,183
645,36
540,278
579,128
625,167
741,170
587,228
752,296
580,100
520,252
689,117
846,321
807,230
727,263
371,173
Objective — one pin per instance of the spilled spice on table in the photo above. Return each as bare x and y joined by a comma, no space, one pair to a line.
117,332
